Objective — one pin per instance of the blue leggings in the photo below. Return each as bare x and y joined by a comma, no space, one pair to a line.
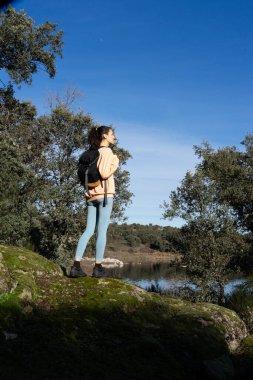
98,216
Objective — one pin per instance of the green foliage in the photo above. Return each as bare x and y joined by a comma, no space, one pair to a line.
61,197
43,204
25,47
231,170
163,239
241,300
123,196
133,240
17,194
208,200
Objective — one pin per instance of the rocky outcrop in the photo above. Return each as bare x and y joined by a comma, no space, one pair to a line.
108,262
74,328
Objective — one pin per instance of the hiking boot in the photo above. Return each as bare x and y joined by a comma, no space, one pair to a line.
77,272
98,271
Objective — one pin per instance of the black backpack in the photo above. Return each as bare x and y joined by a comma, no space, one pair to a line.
88,172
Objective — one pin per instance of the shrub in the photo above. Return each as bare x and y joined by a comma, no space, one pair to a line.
241,301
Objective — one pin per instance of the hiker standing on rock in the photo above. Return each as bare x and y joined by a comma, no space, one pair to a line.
96,168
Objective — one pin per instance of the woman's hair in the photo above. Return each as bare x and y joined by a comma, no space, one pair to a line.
95,135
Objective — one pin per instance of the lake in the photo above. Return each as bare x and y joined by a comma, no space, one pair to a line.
162,276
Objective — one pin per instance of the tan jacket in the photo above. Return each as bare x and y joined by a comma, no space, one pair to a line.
107,165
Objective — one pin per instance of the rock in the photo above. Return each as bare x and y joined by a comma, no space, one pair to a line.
161,335
20,269
220,368
26,294
107,262
234,328
22,257
28,309
9,335
112,263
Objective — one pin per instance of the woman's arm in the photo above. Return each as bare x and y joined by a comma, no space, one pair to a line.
108,163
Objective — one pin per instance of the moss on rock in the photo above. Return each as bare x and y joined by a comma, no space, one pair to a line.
89,328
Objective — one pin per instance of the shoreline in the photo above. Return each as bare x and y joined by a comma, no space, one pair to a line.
136,258
141,257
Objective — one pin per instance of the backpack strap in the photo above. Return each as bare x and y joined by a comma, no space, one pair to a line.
105,197
105,184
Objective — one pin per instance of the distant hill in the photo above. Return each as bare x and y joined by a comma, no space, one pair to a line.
145,238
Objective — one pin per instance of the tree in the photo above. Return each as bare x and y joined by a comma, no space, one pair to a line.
122,181
44,198
232,171
60,200
133,240
17,179
24,47
212,231
42,201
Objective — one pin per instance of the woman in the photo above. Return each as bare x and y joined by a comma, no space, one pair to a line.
98,212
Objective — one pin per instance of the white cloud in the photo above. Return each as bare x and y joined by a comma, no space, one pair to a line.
160,161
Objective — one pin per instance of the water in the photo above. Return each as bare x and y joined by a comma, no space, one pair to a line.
163,276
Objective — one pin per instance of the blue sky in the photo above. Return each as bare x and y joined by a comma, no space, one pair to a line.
166,74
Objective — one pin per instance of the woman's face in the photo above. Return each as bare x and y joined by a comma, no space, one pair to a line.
110,137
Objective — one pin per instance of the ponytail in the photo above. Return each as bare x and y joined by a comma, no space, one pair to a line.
95,135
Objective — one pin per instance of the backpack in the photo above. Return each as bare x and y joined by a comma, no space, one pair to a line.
88,172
